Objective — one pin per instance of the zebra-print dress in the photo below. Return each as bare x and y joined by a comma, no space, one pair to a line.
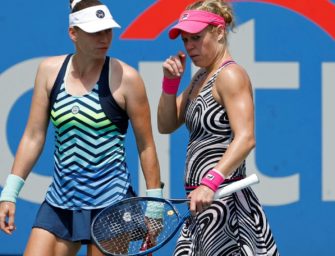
235,225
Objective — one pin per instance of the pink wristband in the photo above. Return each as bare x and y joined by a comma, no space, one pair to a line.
212,179
170,86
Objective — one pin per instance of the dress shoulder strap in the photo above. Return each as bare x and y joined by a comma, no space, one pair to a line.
110,107
226,63
223,65
58,82
195,80
198,77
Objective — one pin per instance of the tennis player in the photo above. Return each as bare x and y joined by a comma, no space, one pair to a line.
217,109
90,99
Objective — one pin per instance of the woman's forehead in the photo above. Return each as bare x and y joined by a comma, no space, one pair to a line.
186,34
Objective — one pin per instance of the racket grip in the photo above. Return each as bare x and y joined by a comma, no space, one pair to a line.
236,186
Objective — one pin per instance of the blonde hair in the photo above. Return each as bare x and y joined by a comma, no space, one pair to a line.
219,7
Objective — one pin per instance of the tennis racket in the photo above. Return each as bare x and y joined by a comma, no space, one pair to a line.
141,225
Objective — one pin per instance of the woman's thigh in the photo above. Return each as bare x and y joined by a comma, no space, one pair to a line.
42,243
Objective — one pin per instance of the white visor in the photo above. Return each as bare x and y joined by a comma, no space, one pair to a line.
93,19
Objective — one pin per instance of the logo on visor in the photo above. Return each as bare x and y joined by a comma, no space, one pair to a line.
185,16
100,14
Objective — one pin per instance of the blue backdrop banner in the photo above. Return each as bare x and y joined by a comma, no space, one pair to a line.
286,46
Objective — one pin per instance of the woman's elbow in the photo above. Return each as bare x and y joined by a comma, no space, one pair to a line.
247,140
163,129
251,142
166,126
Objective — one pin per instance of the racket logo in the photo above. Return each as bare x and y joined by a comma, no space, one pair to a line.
170,213
126,217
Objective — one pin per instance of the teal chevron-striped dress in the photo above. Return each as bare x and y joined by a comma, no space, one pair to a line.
90,167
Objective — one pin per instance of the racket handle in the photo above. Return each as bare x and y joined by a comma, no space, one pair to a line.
236,186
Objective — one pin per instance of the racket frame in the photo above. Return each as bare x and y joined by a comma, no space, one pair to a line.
225,191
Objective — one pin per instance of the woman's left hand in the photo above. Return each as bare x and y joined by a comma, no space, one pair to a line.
201,199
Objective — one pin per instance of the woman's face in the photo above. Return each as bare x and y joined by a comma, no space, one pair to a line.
203,47
96,44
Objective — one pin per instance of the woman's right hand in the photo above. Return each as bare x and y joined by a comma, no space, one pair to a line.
174,66
7,213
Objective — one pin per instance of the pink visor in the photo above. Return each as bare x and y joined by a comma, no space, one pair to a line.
194,21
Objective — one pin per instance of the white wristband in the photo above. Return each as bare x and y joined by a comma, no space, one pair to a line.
155,192
12,188
154,209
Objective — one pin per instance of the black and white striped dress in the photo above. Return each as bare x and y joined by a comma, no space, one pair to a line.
235,225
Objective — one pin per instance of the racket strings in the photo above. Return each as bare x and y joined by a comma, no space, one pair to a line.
125,228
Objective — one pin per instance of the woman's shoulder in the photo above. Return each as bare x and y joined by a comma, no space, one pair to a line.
233,77
48,70
52,63
233,71
122,68
117,63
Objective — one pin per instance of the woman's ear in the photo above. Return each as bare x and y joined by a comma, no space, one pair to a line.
73,34
220,30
